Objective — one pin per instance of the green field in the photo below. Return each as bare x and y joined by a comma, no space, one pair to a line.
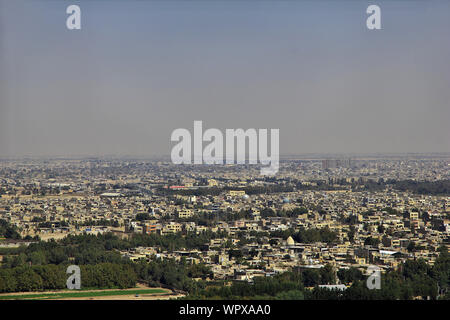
82,294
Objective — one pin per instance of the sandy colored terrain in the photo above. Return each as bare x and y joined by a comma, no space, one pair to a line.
156,296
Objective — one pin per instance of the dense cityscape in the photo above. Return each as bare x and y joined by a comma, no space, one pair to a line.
224,231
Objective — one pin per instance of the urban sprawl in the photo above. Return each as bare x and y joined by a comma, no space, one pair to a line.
341,213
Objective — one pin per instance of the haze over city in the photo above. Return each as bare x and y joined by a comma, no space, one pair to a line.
137,70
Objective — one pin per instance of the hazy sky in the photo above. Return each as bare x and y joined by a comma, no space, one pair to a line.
137,70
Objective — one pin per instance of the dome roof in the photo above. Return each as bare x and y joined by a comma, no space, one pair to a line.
290,241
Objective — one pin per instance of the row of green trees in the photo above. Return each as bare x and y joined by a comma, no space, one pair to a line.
439,187
170,273
52,277
308,235
288,285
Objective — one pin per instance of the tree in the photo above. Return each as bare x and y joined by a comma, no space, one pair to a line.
327,275
351,234
411,246
371,241
37,258
8,231
28,280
